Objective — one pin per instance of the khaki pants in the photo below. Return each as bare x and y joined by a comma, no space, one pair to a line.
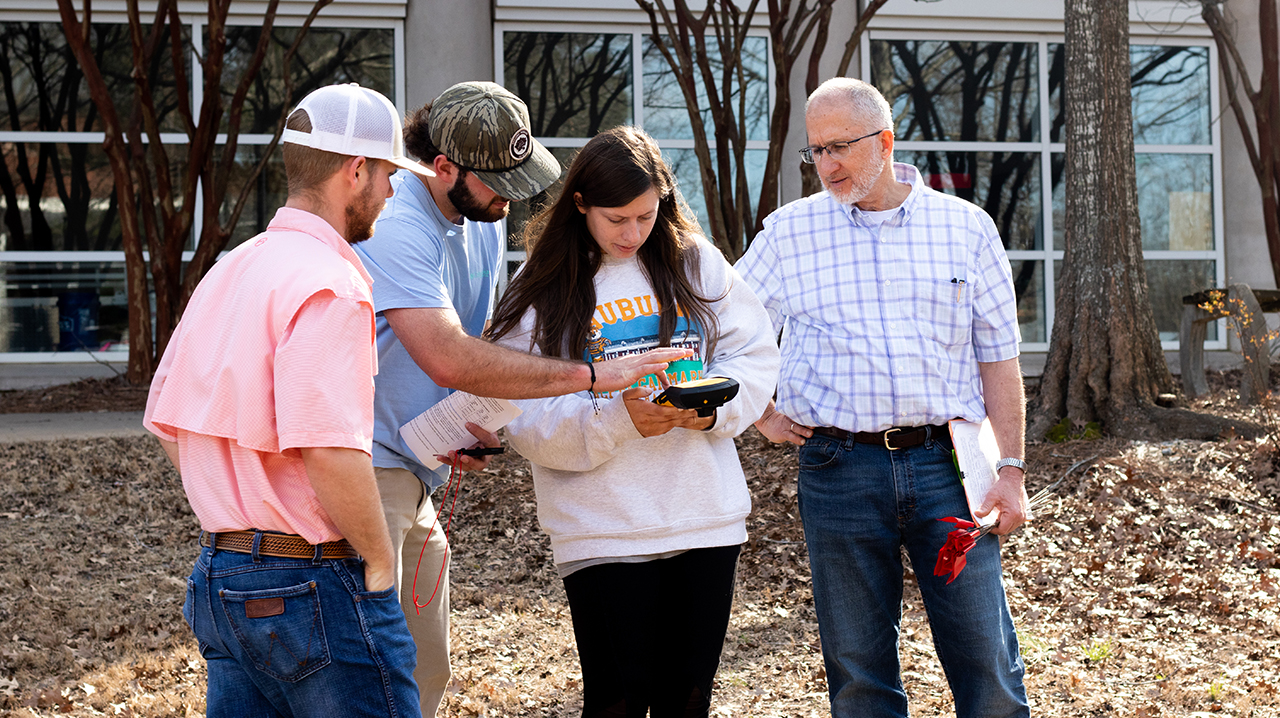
410,516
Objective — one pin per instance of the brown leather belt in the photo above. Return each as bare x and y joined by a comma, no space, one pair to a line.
898,437
273,544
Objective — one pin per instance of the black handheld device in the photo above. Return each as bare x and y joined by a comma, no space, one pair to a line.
701,394
481,451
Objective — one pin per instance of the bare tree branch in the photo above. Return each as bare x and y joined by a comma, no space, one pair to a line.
855,38
239,205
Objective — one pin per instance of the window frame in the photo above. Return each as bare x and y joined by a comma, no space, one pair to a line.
196,24
638,33
1047,255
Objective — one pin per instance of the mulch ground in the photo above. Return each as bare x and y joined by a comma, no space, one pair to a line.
1149,587
113,394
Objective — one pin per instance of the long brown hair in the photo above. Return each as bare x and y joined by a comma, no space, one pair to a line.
557,280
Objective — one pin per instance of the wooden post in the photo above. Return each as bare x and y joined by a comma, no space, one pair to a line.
1251,326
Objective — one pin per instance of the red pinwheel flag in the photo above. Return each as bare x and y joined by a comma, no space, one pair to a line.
951,557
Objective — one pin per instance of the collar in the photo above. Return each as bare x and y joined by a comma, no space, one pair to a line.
905,174
299,220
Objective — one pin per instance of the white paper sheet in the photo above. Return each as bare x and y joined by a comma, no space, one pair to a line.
976,455
443,427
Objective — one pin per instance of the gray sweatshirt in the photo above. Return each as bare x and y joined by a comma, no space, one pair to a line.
604,490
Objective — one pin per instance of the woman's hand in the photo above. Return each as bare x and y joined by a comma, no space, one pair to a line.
651,419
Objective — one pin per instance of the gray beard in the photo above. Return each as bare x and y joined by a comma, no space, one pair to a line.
861,185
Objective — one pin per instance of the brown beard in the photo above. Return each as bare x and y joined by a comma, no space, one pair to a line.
464,200
362,212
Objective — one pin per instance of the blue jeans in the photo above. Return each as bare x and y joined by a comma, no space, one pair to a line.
860,504
297,637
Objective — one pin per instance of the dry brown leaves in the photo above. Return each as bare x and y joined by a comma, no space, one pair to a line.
113,394
1149,588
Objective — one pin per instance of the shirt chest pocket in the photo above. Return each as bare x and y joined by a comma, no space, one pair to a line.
943,310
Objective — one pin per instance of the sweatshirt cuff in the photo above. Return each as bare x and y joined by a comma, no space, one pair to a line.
728,417
616,421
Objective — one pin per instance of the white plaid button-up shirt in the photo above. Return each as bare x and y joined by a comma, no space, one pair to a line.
884,325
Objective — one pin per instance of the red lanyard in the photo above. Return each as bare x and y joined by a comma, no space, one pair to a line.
455,481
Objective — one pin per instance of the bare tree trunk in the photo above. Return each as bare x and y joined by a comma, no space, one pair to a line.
810,184
789,30
141,360
157,212
684,47
677,48
1105,362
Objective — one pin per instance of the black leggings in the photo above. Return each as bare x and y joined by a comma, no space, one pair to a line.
649,634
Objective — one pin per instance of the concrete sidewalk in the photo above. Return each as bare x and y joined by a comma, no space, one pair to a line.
18,428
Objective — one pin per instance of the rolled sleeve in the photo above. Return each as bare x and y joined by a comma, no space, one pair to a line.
995,309
324,367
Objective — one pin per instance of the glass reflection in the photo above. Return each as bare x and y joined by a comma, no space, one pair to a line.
521,212
45,89
1175,201
1028,285
1168,281
1005,184
59,197
67,306
327,56
665,116
575,84
945,90
1170,90
1170,87
684,165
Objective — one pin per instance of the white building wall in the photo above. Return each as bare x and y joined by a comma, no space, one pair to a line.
446,42
1248,260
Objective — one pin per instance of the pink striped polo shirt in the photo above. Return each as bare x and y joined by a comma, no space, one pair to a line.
275,352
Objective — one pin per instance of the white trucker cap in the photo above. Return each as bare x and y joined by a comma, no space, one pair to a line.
355,121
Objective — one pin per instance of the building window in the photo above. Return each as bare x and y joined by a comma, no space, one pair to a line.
62,283
984,120
580,83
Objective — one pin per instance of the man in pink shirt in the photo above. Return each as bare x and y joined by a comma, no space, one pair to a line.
264,402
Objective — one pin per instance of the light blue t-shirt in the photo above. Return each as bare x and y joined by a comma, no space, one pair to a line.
419,259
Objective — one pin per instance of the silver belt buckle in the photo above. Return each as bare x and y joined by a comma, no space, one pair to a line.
887,432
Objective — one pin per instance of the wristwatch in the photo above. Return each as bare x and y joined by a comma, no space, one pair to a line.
1010,461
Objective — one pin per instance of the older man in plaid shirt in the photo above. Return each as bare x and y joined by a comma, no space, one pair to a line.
897,310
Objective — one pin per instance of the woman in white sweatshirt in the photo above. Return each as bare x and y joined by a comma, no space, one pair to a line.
646,505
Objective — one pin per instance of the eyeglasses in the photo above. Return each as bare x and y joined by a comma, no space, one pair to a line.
837,150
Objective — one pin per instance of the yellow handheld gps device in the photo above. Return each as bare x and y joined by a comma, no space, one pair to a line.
701,394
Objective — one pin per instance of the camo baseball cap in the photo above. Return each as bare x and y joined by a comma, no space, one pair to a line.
483,128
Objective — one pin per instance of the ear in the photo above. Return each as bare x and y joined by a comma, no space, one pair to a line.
577,200
886,143
354,170
445,169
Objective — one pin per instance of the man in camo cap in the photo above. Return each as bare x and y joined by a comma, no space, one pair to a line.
435,258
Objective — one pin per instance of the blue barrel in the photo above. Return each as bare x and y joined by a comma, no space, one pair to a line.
78,321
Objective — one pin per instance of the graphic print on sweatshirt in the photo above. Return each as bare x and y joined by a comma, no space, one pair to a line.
629,325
